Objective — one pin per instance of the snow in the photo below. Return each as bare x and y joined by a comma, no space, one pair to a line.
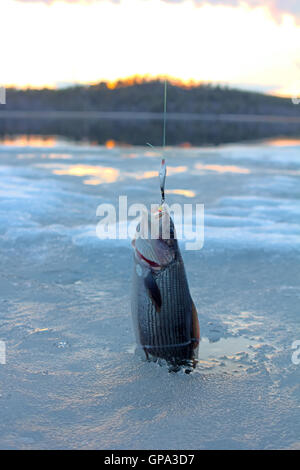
71,378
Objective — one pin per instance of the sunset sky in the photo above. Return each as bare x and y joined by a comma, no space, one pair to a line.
233,42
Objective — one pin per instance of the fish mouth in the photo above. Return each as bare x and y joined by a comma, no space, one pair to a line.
151,263
155,249
155,254
154,264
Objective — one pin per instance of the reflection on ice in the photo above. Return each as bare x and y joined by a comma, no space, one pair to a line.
171,170
29,141
110,144
225,353
181,192
222,168
102,174
145,175
280,142
50,156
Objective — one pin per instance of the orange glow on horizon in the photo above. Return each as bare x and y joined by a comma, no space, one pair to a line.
140,79
122,81
127,81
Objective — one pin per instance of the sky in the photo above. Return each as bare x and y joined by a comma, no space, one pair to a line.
237,43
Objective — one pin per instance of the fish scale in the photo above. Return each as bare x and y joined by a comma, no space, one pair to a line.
167,333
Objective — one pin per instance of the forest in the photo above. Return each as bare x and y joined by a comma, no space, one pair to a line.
147,96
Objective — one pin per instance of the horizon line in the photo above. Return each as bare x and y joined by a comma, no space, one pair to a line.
137,79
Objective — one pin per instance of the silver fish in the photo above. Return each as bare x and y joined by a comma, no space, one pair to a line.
164,315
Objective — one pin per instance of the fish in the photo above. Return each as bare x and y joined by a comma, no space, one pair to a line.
164,315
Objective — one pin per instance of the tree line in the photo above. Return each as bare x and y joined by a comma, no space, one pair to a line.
147,96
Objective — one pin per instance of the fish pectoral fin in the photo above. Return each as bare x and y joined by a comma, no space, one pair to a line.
153,291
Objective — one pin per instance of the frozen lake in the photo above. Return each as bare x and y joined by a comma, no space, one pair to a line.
71,379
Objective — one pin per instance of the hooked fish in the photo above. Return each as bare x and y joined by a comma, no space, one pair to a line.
164,315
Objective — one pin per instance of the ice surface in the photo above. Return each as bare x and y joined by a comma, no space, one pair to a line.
71,379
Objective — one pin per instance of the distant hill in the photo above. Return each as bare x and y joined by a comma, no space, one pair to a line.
130,112
147,96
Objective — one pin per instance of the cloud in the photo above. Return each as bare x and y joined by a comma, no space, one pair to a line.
48,2
276,7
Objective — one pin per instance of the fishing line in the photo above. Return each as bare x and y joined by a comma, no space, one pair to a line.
163,168
165,121
165,115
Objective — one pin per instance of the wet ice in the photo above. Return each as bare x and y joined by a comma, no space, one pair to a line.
71,378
